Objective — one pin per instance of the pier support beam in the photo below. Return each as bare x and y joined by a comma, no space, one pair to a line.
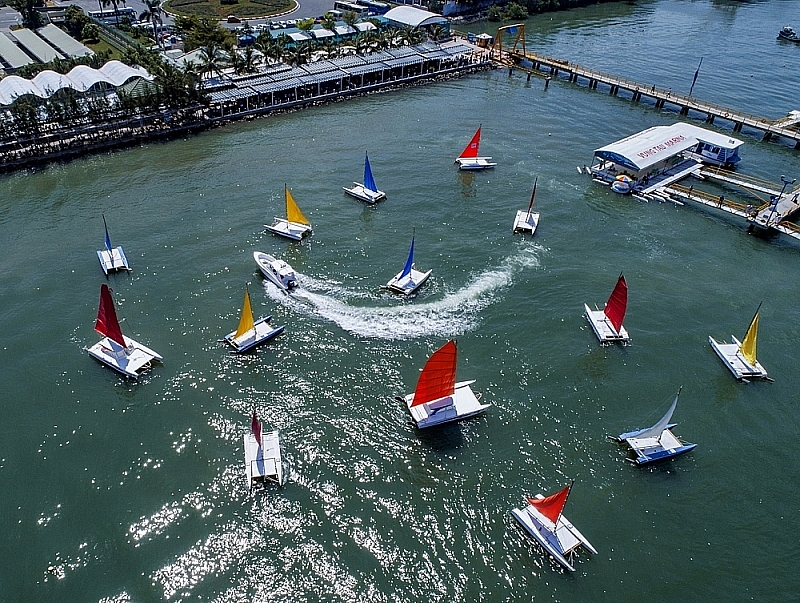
709,119
684,110
737,127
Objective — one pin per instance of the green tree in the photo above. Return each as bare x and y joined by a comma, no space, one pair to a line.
212,59
90,32
153,14
328,21
350,18
27,8
305,24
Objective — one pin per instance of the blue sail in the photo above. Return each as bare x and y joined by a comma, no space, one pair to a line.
108,239
369,181
409,261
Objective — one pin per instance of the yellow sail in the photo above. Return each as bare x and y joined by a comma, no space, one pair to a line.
293,213
246,321
748,348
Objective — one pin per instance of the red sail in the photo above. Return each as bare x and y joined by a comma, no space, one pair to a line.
107,323
552,505
438,378
617,304
471,150
255,426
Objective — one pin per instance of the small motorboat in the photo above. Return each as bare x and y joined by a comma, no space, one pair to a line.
251,334
438,398
527,221
262,455
121,353
740,356
368,191
409,279
607,323
277,271
469,160
623,184
543,519
657,442
112,259
787,33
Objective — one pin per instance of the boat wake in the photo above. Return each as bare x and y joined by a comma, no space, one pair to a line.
454,314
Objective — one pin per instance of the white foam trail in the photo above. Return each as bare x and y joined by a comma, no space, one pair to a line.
456,313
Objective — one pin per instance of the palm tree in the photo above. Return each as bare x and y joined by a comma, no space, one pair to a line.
212,59
152,14
251,60
328,22
435,32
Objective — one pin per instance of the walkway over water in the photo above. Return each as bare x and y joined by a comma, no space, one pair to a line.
518,58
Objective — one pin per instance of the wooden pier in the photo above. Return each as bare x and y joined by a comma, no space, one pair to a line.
518,58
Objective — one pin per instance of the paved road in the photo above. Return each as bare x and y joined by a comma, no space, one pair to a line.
9,17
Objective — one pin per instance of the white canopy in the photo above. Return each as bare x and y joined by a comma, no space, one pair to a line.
413,17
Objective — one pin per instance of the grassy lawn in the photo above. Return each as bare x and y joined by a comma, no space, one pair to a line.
216,10
102,46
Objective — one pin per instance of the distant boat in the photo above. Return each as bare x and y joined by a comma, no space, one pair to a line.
740,356
250,334
787,33
262,455
527,221
657,442
277,271
607,323
369,190
121,353
438,398
295,226
543,519
469,160
409,279
112,259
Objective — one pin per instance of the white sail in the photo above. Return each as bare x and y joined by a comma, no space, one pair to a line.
656,430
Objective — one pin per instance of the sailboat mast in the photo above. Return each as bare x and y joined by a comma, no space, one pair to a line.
533,196
108,239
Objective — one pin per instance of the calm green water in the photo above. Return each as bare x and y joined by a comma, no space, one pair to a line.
114,491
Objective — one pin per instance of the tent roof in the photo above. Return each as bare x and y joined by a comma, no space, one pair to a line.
413,17
649,147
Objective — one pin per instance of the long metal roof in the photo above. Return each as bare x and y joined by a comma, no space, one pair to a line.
36,46
63,42
11,54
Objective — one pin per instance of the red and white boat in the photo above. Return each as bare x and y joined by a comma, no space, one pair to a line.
607,323
438,398
121,353
469,160
262,455
544,520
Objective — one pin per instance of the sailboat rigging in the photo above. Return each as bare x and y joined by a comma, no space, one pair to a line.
740,356
409,279
527,221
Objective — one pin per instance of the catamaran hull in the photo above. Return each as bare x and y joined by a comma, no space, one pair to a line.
525,222
603,328
464,405
409,283
475,163
132,361
112,261
650,450
730,355
364,194
291,230
559,542
263,463
261,333
276,271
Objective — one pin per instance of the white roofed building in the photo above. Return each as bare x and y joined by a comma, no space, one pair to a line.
410,16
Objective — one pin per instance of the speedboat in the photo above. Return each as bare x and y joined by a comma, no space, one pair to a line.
787,33
277,271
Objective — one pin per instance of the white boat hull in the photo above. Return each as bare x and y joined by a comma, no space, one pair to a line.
131,361
603,328
290,230
359,191
461,405
276,271
560,542
112,261
475,163
409,283
525,222
729,354
261,332
263,463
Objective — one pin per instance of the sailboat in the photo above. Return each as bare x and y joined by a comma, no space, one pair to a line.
438,398
469,160
250,334
369,190
295,226
111,258
657,442
607,323
544,520
121,353
409,279
262,455
527,221
740,356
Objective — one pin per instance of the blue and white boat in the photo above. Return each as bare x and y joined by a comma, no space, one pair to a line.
112,259
656,443
368,191
408,280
